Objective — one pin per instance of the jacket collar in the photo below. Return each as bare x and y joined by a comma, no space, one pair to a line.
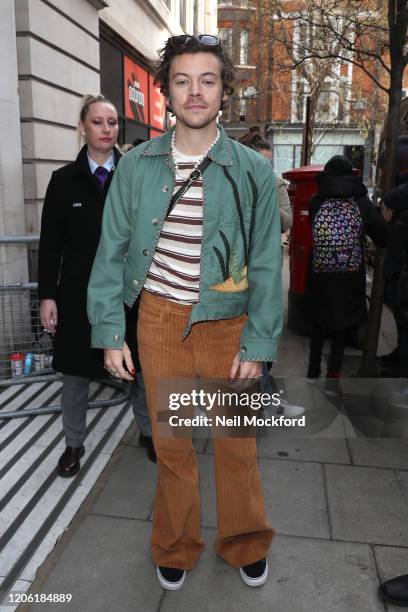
81,163
220,153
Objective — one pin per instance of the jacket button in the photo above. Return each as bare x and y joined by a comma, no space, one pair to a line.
116,337
165,188
243,350
135,282
145,252
155,221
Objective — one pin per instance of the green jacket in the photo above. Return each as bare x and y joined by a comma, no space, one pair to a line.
241,250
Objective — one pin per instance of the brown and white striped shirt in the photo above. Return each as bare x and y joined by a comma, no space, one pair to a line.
175,269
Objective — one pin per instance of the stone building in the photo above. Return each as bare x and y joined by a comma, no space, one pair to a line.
52,52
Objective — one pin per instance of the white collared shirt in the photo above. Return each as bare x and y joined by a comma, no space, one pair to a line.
108,164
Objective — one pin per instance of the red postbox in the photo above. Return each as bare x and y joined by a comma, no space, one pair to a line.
303,185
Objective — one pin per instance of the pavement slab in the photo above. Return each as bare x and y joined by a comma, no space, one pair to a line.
129,489
106,565
392,562
332,450
391,453
295,498
366,505
305,576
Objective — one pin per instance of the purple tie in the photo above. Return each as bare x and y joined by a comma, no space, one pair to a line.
101,174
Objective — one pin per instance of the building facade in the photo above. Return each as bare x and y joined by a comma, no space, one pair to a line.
349,109
52,52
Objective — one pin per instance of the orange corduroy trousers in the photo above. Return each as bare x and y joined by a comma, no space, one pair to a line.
244,534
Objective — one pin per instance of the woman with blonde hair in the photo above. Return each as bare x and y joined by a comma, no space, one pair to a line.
70,231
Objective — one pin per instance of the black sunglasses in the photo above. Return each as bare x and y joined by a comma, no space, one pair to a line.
209,40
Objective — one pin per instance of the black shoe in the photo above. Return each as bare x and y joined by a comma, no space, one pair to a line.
170,578
395,590
391,359
68,464
147,443
255,574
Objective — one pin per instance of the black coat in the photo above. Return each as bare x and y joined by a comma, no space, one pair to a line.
70,232
337,301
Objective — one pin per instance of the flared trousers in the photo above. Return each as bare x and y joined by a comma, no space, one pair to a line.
243,532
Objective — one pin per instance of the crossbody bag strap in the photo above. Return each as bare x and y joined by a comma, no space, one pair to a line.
192,178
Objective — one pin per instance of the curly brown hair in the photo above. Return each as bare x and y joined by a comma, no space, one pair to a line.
178,45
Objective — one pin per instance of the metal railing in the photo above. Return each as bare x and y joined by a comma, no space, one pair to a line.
26,349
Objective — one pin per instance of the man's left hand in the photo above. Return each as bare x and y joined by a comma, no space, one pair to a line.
245,369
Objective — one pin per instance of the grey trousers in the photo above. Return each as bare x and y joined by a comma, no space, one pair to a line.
74,404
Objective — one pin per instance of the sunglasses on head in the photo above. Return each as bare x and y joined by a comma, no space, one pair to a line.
208,40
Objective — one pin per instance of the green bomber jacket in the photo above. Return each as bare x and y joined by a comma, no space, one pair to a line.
240,269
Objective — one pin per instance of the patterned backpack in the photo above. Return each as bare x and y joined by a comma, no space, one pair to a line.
337,231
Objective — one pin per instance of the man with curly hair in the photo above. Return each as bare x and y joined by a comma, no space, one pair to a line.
192,224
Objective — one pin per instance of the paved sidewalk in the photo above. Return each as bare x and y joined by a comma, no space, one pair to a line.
339,506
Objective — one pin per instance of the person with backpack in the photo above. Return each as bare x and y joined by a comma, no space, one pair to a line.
340,214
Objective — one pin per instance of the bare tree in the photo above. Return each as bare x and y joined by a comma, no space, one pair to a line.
372,36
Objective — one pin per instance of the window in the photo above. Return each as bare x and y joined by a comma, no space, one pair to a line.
301,39
344,101
323,103
300,93
234,3
183,14
225,35
243,48
168,4
242,105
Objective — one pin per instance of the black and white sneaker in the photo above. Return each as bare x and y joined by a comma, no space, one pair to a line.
170,578
255,574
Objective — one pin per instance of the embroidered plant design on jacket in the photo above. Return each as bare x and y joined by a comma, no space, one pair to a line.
234,274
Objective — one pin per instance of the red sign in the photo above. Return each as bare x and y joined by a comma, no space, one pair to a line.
136,82
154,133
157,106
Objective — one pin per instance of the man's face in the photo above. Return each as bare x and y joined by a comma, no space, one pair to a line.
195,88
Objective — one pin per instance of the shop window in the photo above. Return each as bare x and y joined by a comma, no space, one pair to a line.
111,74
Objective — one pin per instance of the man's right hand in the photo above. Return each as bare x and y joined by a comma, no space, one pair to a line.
114,363
49,315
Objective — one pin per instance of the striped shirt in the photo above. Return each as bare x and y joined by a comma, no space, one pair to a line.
175,269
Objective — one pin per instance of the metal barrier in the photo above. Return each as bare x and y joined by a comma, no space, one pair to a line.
26,348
